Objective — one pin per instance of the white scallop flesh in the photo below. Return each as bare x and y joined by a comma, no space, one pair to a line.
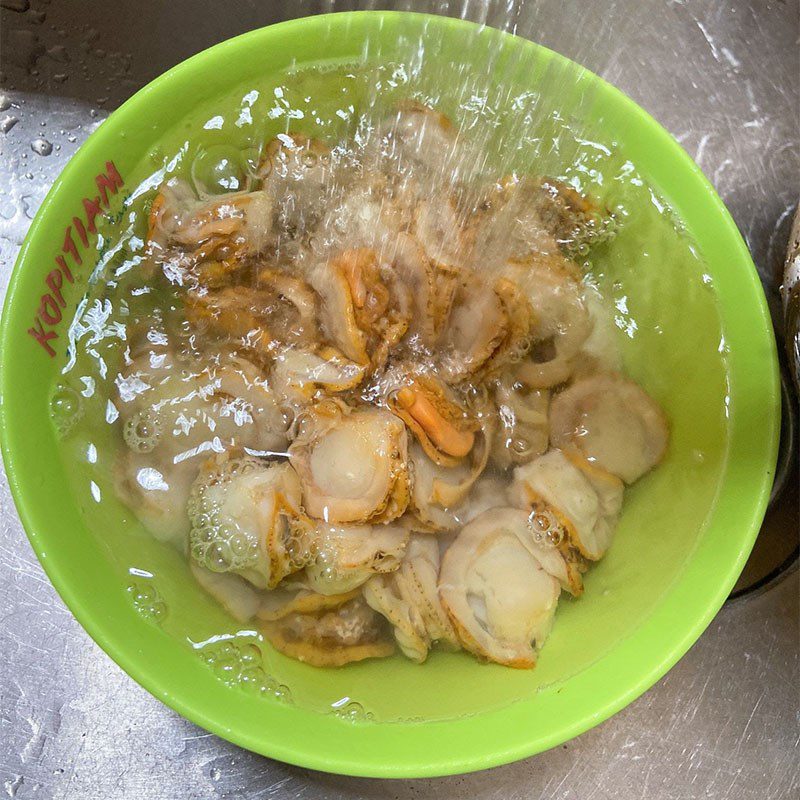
242,218
297,373
177,200
236,595
547,553
510,226
614,424
587,499
347,556
415,273
602,344
243,517
498,595
560,317
524,429
175,415
438,492
420,136
352,465
475,329
417,584
437,229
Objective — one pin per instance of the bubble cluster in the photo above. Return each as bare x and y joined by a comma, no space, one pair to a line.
142,431
240,665
147,600
215,542
547,530
66,409
353,712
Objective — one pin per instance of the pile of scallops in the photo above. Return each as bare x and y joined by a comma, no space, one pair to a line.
390,413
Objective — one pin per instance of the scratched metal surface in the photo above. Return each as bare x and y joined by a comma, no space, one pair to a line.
722,76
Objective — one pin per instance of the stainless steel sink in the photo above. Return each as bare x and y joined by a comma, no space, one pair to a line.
723,77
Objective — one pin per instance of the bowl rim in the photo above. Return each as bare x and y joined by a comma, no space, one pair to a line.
495,737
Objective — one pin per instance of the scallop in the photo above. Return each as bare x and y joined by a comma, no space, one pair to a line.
280,309
170,206
426,288
488,327
332,637
524,217
417,136
346,556
438,493
561,323
500,598
352,463
613,423
298,374
295,597
296,174
523,431
543,542
440,424
337,311
292,158
246,519
175,414
437,229
475,328
579,499
235,594
223,229
408,598
357,314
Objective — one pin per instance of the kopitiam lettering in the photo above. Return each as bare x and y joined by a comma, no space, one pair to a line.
76,236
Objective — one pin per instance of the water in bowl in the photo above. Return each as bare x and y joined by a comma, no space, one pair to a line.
647,273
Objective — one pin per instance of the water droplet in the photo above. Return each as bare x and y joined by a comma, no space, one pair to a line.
29,176
58,53
60,77
5,103
92,112
7,123
72,139
215,774
41,146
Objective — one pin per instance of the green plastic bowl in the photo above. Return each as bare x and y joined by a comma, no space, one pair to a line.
695,332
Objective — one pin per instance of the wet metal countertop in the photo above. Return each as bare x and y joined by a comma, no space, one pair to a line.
723,78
